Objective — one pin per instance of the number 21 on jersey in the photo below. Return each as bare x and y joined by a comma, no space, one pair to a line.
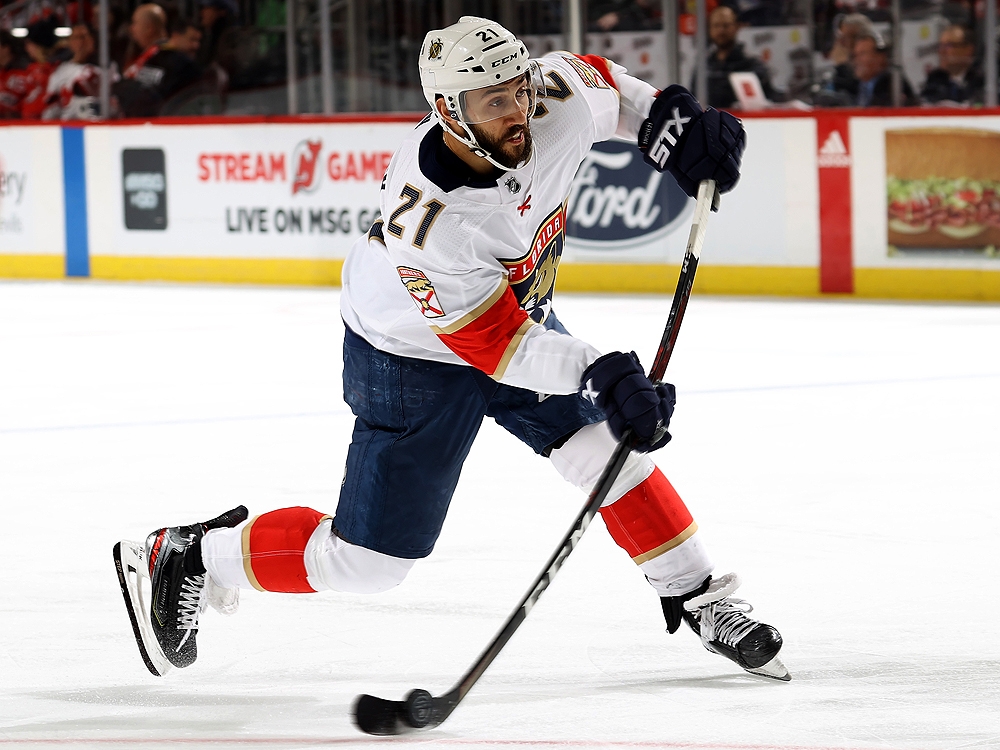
411,196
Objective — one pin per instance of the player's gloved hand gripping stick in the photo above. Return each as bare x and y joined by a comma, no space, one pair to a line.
420,709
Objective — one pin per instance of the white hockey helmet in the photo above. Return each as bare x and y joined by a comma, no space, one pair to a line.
477,53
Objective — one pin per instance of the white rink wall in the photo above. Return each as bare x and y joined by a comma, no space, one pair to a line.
281,201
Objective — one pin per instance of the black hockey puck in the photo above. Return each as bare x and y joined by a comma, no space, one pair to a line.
418,708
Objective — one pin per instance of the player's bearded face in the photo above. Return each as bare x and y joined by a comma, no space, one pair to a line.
498,116
508,143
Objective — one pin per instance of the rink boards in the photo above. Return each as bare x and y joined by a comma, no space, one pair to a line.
281,200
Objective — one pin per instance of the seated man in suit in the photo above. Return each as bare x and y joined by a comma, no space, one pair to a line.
959,77
871,67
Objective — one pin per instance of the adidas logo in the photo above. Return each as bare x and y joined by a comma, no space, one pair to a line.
833,153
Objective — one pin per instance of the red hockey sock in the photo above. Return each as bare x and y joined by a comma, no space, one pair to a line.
274,547
649,519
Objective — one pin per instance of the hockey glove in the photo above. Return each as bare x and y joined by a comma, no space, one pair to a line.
617,384
691,143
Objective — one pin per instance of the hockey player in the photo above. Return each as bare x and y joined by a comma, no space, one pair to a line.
447,303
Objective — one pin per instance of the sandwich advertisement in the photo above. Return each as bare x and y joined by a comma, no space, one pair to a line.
943,190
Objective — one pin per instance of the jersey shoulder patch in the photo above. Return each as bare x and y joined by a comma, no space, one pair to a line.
422,291
589,74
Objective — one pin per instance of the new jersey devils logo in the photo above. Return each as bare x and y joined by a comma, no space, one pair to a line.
305,157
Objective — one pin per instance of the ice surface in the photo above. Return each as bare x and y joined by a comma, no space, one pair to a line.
841,456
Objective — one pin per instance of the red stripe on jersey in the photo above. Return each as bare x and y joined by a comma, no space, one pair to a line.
649,519
274,549
600,64
484,341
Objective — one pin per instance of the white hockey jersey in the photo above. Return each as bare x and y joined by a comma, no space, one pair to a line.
72,92
462,270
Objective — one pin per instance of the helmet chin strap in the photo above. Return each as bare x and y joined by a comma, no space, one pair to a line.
473,145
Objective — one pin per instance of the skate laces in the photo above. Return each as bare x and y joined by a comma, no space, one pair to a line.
189,606
726,621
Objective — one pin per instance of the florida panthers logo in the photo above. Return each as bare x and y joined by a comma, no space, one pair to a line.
434,49
533,276
305,157
422,291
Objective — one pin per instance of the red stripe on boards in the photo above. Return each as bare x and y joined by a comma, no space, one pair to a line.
836,263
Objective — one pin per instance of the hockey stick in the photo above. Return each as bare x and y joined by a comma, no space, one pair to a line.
421,710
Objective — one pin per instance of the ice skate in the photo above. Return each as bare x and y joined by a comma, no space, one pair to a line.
164,611
724,627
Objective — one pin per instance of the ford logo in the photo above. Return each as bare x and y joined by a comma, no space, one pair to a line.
618,201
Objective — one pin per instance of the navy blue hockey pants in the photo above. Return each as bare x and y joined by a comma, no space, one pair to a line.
416,421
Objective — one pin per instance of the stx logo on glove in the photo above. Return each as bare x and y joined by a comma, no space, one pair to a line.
659,150
713,141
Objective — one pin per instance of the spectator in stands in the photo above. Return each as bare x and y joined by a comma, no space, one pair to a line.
185,37
871,68
959,77
74,87
217,16
839,86
727,56
38,44
13,79
157,73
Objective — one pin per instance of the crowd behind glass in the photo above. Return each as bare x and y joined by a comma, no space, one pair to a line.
232,57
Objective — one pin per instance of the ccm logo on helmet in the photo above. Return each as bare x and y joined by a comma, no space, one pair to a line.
504,60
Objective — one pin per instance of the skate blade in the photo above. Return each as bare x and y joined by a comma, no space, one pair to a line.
773,669
130,563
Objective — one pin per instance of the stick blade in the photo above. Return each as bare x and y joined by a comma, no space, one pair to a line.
380,717
420,710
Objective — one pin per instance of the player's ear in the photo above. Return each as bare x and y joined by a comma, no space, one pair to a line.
446,117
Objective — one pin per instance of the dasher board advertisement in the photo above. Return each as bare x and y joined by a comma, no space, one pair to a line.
31,191
144,181
17,223
620,210
307,191
943,189
236,191
926,192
